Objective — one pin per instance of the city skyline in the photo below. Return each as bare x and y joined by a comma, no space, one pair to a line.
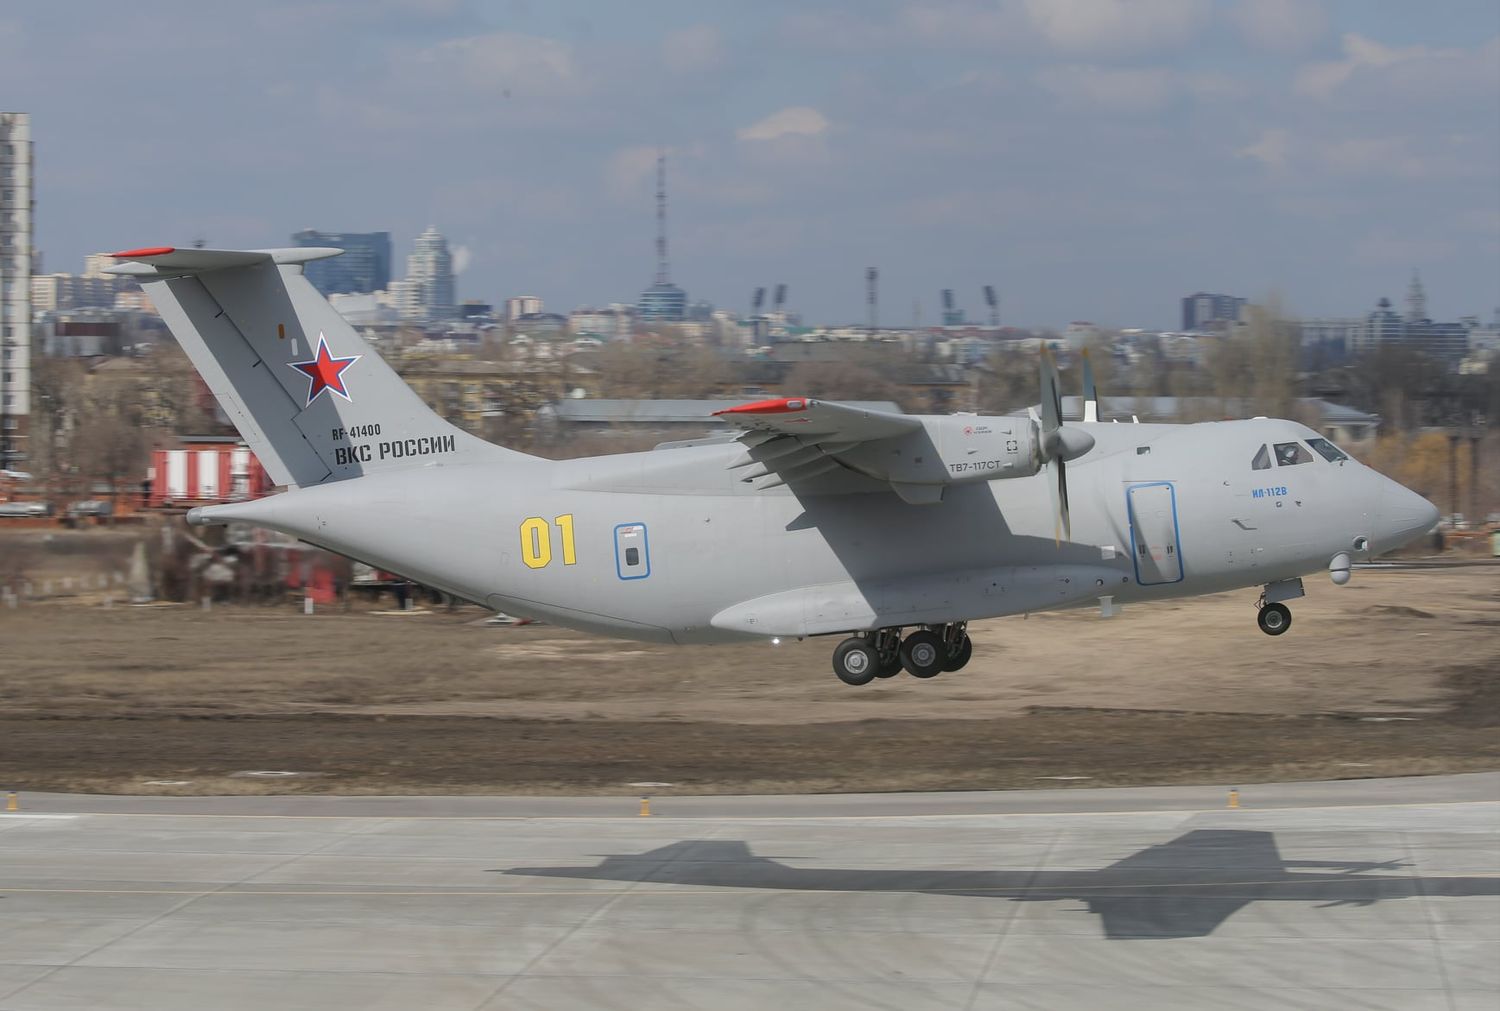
1087,164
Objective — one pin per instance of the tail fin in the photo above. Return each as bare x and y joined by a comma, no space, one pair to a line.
306,392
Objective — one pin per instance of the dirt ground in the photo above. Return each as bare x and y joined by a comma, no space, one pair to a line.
1395,673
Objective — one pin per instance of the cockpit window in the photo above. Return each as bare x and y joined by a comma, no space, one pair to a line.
1328,450
1289,454
1262,460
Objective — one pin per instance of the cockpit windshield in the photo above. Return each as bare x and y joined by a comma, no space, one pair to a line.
1289,454
1262,459
1328,450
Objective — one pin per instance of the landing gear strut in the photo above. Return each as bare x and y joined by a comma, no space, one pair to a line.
925,653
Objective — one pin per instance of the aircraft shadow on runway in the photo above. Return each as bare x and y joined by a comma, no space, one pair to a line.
1183,888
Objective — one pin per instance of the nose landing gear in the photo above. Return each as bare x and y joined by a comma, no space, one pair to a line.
1274,618
925,653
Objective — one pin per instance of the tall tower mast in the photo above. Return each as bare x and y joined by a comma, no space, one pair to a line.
661,219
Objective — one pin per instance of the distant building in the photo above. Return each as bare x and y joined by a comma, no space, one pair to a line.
364,267
431,266
1206,311
1382,325
662,302
405,299
612,324
541,324
93,289
15,287
81,333
521,305
1416,300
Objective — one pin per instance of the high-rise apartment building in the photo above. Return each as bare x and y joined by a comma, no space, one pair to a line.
15,287
431,266
1206,311
365,266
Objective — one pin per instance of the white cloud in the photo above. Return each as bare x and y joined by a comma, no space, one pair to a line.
502,61
1412,70
797,120
1391,156
1120,90
693,50
462,257
1099,26
1273,149
1280,25
627,171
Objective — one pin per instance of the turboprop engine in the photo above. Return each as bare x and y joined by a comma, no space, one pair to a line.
963,448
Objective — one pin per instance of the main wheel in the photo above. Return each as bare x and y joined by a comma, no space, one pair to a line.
855,661
960,654
922,654
1274,619
890,666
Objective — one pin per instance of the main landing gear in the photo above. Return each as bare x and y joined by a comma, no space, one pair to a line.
925,653
1274,619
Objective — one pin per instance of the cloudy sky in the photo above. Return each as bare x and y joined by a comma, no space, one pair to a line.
1094,159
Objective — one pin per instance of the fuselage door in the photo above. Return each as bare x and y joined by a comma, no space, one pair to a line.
632,553
1153,533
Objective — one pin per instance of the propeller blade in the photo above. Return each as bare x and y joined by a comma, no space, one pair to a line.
1090,392
1063,529
1051,401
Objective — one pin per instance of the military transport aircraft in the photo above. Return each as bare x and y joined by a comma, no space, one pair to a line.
809,518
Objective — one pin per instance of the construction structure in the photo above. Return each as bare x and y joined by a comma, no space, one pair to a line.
16,253
663,301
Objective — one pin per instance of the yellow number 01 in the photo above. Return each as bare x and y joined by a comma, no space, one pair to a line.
536,541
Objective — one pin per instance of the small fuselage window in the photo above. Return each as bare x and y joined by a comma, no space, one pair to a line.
1262,459
1289,454
1328,450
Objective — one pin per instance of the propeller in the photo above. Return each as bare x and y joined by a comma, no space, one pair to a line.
1090,392
1059,444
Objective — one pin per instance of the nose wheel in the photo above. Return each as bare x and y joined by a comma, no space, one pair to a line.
925,653
1274,619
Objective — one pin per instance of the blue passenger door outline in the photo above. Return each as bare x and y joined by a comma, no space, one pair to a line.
632,551
1155,547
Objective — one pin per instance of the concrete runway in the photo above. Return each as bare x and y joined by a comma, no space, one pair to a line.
1373,894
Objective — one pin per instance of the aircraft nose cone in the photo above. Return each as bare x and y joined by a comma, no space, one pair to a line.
1404,516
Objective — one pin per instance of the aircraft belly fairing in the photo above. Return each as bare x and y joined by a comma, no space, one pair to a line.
920,600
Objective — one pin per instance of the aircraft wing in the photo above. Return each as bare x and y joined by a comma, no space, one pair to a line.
795,438
813,420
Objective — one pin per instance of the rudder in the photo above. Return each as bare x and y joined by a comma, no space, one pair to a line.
307,393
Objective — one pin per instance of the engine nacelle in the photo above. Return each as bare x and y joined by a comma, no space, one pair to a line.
956,449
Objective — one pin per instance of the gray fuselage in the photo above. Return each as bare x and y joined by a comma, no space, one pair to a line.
672,545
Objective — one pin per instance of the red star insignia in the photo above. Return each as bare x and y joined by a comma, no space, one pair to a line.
325,372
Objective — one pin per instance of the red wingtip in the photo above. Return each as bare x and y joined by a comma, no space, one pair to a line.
781,405
136,254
